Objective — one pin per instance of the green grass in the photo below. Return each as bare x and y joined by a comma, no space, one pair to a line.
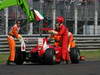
89,55
3,57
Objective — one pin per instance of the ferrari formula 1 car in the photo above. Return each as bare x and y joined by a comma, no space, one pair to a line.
44,53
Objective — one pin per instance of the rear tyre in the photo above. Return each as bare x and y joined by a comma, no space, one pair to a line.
49,57
20,56
75,55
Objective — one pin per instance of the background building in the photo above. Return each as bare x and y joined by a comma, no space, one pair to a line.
81,16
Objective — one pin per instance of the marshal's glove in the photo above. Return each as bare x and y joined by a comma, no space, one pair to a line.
53,32
20,38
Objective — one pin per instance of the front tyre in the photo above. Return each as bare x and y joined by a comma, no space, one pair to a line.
19,56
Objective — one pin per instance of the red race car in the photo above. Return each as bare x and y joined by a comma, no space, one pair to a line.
44,53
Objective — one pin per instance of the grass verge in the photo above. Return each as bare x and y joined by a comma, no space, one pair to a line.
89,55
3,57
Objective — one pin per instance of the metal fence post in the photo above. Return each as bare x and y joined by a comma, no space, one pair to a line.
76,18
54,12
6,22
96,17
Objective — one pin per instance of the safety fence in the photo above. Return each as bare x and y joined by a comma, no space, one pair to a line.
83,42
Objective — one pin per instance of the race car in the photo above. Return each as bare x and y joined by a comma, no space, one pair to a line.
44,53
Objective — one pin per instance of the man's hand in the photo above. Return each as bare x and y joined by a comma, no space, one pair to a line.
20,38
53,31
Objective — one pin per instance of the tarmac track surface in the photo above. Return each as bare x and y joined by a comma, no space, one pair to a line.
83,68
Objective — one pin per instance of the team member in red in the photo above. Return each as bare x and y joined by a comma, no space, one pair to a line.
14,33
62,31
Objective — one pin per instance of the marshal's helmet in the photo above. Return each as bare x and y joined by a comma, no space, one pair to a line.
60,19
